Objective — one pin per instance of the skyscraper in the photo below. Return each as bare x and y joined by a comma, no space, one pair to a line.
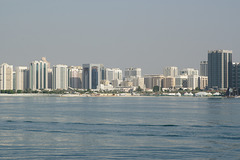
60,77
92,75
236,77
219,69
204,68
75,77
38,75
22,78
6,77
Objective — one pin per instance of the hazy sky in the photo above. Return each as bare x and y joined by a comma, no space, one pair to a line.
149,34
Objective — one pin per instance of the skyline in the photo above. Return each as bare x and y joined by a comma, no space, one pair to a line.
147,34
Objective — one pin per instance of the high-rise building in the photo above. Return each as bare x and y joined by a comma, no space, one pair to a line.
236,77
189,72
49,72
192,82
92,75
202,82
14,80
219,69
170,71
22,78
133,72
75,77
60,77
113,74
148,81
38,75
204,68
6,77
50,75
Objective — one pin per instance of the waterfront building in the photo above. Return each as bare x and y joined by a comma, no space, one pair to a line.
148,81
189,72
153,80
204,68
170,71
181,81
6,77
113,74
168,82
60,77
14,80
22,78
202,82
139,82
92,75
75,77
133,72
192,82
38,75
49,72
219,69
45,60
50,75
236,77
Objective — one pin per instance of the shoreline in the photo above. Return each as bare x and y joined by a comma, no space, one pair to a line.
107,95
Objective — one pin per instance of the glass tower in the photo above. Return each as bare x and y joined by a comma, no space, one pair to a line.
219,69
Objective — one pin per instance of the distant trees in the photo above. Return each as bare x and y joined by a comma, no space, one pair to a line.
156,89
8,91
139,89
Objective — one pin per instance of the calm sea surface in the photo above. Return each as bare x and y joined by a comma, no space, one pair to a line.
119,128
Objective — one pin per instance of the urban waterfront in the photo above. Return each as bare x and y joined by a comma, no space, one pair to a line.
119,128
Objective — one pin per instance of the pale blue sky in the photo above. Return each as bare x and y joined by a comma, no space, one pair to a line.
150,34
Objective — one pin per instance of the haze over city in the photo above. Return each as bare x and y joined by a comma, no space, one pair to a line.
137,33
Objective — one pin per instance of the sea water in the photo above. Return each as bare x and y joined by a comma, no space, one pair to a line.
119,128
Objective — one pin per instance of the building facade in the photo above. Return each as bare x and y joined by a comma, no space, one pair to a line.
113,74
202,82
92,75
133,72
38,75
219,69
170,71
192,82
6,77
204,68
236,77
22,78
153,80
189,72
75,77
60,77
168,82
181,81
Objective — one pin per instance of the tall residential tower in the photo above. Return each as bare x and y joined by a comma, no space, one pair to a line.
219,69
38,75
6,77
92,74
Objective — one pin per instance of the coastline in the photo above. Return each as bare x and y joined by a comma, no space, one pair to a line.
99,95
